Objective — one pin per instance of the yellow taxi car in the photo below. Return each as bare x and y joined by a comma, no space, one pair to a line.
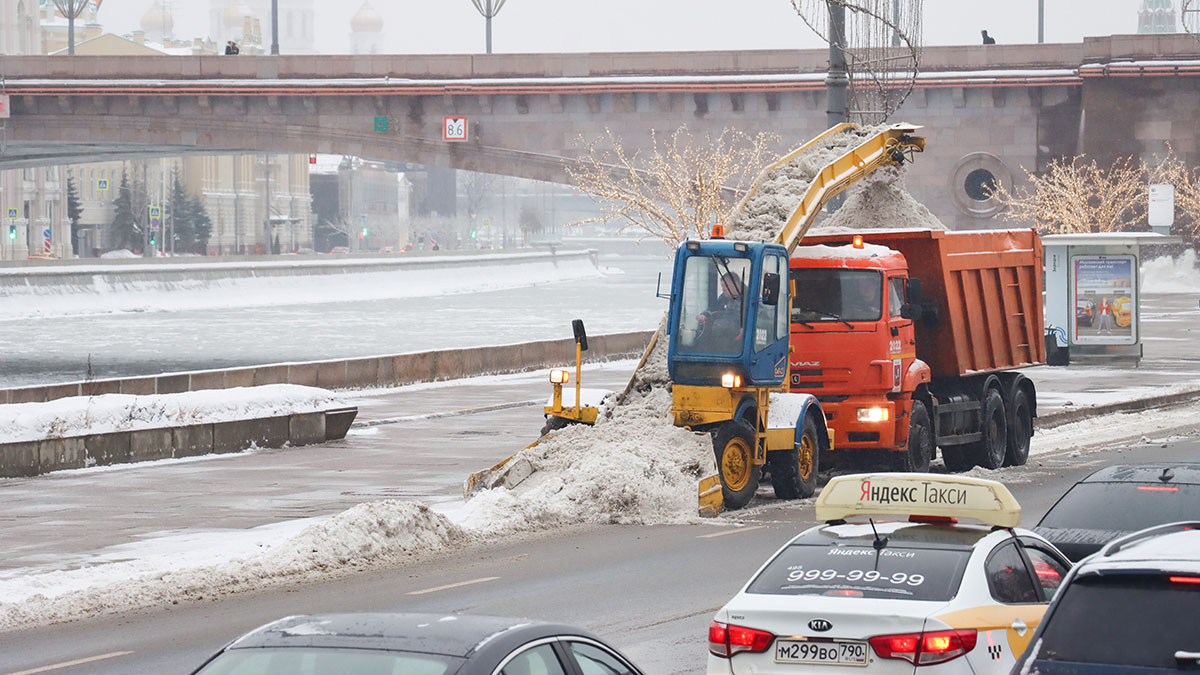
1122,309
921,593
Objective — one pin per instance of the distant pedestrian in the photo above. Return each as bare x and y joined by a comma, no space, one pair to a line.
238,51
229,47
987,39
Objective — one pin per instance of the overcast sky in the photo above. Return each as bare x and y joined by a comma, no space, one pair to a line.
454,26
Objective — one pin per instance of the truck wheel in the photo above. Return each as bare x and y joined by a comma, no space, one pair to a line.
1020,430
734,447
794,472
920,442
990,450
957,459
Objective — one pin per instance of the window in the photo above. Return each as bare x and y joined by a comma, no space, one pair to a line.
593,660
824,295
712,309
1048,570
1123,620
540,660
895,296
1123,506
1008,576
863,572
765,324
318,661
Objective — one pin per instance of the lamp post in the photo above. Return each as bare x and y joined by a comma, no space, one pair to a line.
489,9
71,9
275,27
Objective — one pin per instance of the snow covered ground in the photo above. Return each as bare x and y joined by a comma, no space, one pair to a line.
84,415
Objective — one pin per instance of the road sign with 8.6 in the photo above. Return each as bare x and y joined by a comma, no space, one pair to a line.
455,129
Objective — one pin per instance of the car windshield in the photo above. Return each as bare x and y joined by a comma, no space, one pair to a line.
1123,506
1150,627
863,572
833,294
317,661
713,308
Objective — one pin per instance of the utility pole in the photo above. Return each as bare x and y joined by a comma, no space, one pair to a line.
1041,21
836,80
275,27
489,9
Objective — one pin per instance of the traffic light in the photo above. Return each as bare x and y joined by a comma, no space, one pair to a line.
153,239
364,234
472,234
12,232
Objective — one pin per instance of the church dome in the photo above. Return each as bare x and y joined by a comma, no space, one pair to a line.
157,21
366,20
235,15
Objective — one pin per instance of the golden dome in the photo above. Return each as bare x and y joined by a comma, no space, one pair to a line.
366,20
235,15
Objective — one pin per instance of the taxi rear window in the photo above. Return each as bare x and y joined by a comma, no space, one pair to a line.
862,572
1123,506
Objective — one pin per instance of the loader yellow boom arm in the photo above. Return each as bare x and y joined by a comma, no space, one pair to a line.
889,146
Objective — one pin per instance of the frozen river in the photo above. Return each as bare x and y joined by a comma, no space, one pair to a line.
58,348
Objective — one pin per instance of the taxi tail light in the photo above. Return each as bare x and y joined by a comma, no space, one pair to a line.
725,640
924,649
1185,580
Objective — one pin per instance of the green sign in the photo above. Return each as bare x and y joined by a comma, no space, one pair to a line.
381,123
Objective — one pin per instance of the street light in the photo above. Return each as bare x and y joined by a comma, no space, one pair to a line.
71,9
489,8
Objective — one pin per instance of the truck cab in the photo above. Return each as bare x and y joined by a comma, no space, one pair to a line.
852,343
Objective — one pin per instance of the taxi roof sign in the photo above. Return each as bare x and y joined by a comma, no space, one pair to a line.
918,494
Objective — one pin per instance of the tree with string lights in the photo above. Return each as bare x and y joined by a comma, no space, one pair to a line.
680,189
1074,195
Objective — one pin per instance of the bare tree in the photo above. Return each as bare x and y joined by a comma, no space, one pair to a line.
1078,196
683,186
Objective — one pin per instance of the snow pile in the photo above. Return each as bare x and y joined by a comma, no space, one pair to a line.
779,190
369,533
119,253
879,201
85,415
633,466
1171,275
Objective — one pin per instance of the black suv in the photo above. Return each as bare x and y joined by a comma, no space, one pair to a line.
1120,499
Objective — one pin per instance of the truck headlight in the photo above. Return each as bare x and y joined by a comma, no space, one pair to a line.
731,380
872,414
560,376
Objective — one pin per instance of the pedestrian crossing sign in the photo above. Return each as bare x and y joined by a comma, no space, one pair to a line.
12,214
101,184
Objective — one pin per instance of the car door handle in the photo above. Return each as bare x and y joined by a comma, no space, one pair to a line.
1020,627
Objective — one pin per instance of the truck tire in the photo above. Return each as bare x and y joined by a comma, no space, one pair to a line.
957,459
920,442
1020,430
733,444
794,472
989,452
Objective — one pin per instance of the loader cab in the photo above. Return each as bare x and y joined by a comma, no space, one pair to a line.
729,314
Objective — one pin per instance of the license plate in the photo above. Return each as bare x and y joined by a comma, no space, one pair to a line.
821,653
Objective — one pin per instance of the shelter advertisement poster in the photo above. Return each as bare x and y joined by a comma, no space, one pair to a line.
1105,300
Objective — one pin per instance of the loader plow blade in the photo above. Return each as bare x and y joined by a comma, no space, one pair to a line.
711,501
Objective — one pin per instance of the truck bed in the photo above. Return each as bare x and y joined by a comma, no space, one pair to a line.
988,288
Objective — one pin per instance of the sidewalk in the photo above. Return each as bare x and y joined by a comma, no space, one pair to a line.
1169,371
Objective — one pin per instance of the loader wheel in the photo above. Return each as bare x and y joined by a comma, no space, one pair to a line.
794,472
734,448
1020,430
920,442
990,450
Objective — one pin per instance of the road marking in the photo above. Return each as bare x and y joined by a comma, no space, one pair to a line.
68,664
449,586
737,531
450,413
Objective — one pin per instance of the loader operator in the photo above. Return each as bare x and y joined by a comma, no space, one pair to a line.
721,324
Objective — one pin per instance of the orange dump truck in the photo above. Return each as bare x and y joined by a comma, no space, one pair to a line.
910,338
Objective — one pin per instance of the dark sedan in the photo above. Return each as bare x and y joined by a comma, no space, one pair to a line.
1117,500
416,644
